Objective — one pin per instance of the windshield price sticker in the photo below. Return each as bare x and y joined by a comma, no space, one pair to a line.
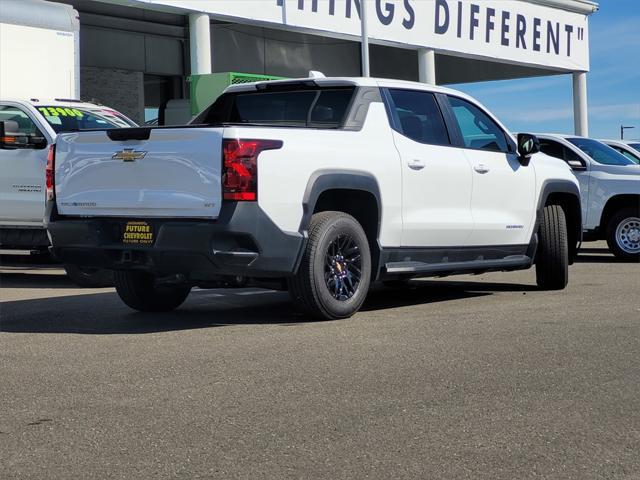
60,112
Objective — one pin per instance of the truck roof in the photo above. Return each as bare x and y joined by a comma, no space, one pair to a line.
355,81
55,102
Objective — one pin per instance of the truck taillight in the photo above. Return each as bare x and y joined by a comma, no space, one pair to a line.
240,167
51,158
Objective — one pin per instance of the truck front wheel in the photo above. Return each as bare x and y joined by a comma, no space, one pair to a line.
552,260
623,234
334,275
139,291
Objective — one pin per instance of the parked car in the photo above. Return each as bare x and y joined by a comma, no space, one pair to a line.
610,186
625,149
326,183
635,144
28,129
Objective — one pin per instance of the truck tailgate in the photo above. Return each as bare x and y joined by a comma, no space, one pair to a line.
175,173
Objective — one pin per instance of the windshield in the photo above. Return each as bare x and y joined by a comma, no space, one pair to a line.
635,146
600,152
72,118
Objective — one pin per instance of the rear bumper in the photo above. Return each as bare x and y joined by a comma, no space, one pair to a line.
242,241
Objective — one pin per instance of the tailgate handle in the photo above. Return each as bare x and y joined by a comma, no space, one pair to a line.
122,134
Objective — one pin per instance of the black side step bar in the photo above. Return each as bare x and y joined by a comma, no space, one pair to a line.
412,268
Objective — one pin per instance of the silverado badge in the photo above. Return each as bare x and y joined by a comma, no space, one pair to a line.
129,155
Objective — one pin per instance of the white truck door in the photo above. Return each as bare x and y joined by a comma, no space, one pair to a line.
22,172
436,177
503,201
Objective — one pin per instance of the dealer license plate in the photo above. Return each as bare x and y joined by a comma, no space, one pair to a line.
138,233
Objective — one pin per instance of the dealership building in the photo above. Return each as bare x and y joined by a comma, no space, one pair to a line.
138,55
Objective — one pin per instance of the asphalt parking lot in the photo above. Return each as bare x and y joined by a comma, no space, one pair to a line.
465,377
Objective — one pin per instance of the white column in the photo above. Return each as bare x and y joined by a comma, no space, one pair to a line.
580,117
200,43
365,38
427,65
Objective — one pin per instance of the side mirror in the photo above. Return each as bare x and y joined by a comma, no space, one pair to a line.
7,139
11,138
577,165
527,145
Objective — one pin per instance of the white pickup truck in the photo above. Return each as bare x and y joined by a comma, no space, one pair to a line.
610,186
326,183
27,130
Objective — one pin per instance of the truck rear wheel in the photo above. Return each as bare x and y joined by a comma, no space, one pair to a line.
138,291
623,234
89,277
552,260
334,275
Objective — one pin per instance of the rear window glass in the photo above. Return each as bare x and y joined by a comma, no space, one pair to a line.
74,118
319,108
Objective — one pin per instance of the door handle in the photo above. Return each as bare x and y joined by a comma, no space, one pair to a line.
416,164
481,168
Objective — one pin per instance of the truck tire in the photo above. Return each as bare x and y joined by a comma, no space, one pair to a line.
89,277
552,260
139,292
334,275
623,234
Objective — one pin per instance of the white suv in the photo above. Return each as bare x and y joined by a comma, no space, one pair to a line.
610,186
327,183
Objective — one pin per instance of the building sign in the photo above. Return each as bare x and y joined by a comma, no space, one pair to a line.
509,30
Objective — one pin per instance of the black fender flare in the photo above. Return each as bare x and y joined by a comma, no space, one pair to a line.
343,179
332,179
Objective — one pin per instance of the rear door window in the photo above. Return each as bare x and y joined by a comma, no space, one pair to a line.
418,117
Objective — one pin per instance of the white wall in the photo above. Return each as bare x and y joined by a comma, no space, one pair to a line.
36,62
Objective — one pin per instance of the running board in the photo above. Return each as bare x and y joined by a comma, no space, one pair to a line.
512,262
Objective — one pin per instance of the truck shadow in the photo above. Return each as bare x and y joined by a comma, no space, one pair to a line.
104,313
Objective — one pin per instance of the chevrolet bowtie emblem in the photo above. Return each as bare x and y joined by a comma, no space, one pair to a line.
129,155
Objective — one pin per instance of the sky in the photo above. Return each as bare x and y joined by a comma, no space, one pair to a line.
545,104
